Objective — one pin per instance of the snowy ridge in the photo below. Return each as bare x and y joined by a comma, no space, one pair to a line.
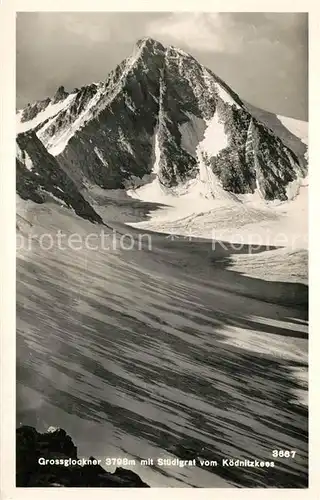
49,112
225,96
56,144
214,87
129,64
180,51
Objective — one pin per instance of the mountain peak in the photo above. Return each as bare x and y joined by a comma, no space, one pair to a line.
150,43
162,99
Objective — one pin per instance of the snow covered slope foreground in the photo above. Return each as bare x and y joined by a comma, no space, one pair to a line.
162,353
163,120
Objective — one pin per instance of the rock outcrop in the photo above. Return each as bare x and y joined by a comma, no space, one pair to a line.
32,110
60,95
33,448
39,177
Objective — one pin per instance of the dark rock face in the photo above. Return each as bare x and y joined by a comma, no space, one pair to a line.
113,127
57,446
39,175
32,110
271,121
60,95
255,157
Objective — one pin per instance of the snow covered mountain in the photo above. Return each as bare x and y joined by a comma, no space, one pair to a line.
163,121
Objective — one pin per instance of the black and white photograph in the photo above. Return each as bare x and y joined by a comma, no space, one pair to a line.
161,250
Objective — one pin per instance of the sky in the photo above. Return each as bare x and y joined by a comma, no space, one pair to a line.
261,56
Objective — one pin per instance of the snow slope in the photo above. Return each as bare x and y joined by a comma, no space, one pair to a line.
215,138
203,209
249,221
298,128
225,96
157,353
